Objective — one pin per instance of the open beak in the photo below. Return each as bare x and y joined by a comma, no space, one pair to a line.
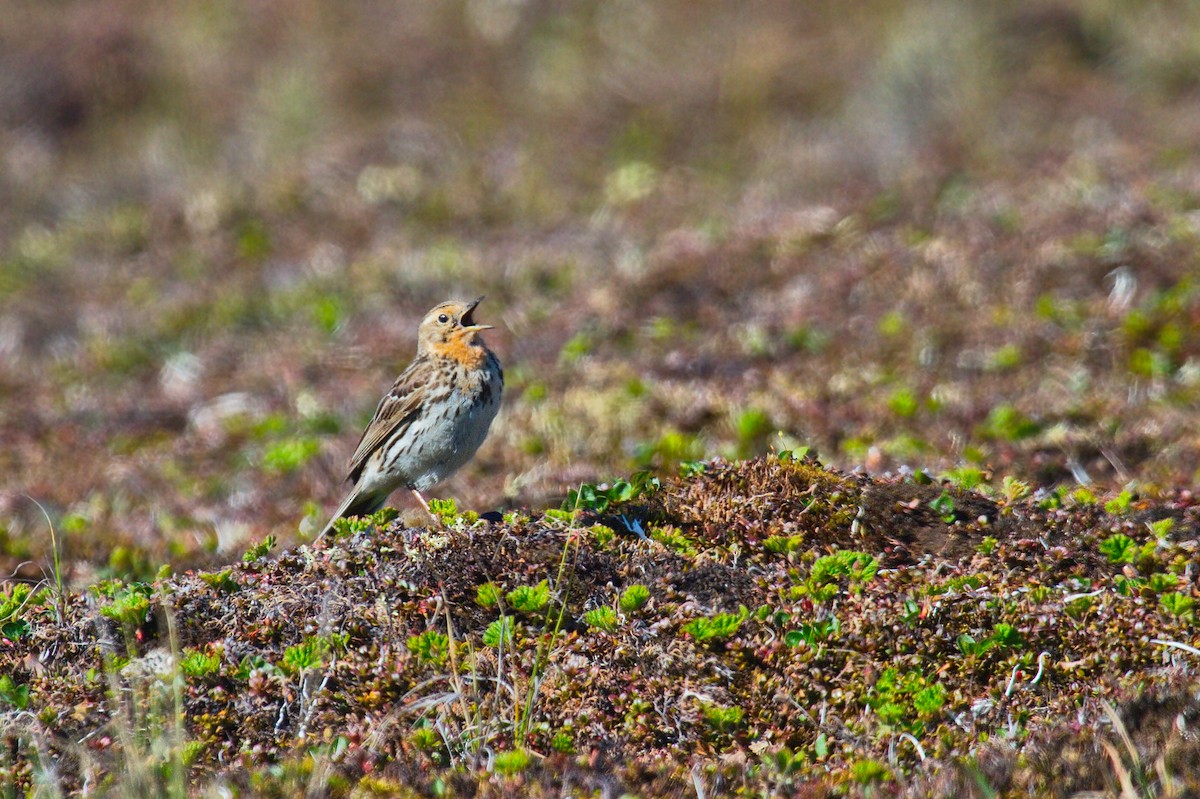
468,321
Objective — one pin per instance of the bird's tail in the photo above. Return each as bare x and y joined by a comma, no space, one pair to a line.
356,503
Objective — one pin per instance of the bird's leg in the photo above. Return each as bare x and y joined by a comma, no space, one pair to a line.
425,505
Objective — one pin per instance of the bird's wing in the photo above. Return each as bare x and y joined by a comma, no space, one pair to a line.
396,410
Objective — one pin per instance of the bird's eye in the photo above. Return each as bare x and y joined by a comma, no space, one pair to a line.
443,318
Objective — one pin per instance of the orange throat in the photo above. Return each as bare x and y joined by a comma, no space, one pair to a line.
460,350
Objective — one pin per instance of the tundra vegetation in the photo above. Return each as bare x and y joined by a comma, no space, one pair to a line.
850,431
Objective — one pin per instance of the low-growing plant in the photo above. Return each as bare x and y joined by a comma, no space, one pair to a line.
966,478
602,618
252,663
1128,586
1161,582
284,457
903,403
12,630
797,455
576,347
1179,605
602,534
512,762
634,598
312,653
599,499
487,595
674,540
1119,505
303,657
1004,636
784,764
499,633
13,605
930,700
131,563
943,506
969,646
813,633
197,664
223,582
1080,606
130,605
783,544
13,694
563,741
380,519
906,700
1051,500
430,646
1004,358
962,581
718,627
559,515
1040,593
260,550
347,527
1162,528
828,573
425,738
1013,489
447,512
530,598
868,772
1119,548
722,719
808,339
751,426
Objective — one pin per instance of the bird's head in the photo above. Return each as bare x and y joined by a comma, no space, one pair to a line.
449,330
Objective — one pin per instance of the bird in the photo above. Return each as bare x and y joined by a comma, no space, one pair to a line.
434,417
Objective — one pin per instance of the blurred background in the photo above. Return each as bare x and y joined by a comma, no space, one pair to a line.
956,236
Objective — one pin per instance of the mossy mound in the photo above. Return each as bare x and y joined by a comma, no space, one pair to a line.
762,627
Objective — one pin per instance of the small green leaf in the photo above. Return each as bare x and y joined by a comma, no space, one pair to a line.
13,694
602,618
487,595
430,647
259,550
634,598
1179,605
199,664
306,656
530,598
499,633
1119,548
222,582
722,719
943,505
13,630
1119,504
